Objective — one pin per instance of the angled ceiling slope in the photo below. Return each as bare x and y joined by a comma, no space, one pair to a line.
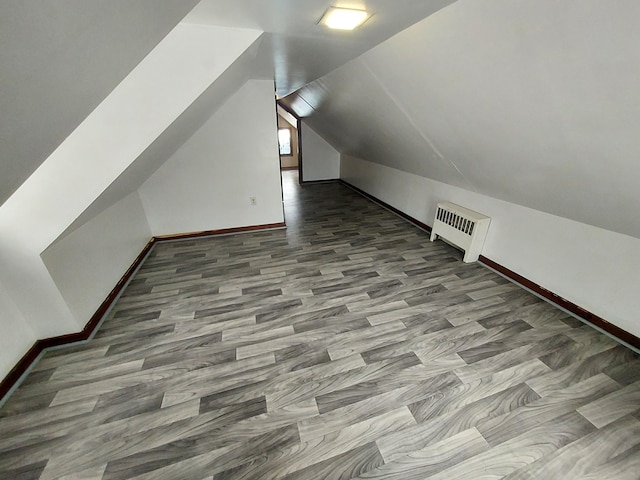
245,67
157,91
59,61
531,102
119,130
298,49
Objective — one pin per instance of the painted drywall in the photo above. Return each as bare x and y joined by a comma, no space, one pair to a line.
174,136
530,101
143,105
320,161
289,161
293,121
592,267
301,49
17,337
208,182
88,263
59,61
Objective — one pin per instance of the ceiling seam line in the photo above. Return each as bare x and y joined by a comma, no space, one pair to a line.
410,120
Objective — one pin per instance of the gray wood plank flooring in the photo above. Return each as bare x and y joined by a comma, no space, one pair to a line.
346,346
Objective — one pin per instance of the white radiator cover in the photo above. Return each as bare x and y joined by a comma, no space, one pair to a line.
462,227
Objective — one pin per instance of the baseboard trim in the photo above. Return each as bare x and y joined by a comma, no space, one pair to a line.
12,379
19,369
400,213
548,295
563,303
223,231
317,182
16,373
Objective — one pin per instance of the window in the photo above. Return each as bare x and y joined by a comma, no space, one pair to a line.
284,140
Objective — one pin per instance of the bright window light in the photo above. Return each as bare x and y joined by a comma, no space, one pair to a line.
284,141
343,18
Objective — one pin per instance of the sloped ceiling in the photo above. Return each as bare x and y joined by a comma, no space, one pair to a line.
82,50
532,102
293,51
299,50
246,66
59,60
143,106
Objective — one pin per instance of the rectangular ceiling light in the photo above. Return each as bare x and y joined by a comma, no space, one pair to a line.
343,18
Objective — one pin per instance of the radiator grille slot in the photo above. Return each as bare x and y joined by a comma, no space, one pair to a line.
456,221
461,227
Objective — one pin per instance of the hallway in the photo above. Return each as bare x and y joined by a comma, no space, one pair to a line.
345,346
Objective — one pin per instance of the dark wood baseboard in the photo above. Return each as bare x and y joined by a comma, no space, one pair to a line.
557,300
40,345
400,213
37,348
223,231
317,182
20,368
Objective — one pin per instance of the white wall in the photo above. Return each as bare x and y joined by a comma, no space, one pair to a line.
320,161
594,268
137,111
59,61
174,136
207,183
16,337
87,264
531,101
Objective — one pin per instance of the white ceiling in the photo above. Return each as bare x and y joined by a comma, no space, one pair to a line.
298,49
173,137
532,102
61,58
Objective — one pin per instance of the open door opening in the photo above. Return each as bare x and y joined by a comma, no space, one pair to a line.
289,141
289,144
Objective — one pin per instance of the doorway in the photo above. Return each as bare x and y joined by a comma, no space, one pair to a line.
289,140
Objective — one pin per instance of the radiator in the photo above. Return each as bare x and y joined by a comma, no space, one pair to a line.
461,227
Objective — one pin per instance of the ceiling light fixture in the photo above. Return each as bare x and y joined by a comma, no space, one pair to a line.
343,18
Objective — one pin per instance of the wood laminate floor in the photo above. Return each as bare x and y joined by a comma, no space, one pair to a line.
347,346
